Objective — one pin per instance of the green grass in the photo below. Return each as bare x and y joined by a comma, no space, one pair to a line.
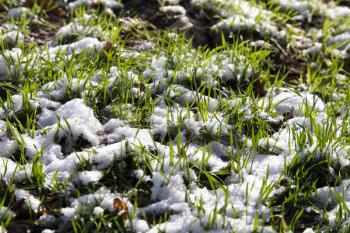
288,201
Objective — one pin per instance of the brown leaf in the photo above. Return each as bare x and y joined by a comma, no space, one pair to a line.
43,211
121,207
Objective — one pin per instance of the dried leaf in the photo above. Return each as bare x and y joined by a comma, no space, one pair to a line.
121,207
43,211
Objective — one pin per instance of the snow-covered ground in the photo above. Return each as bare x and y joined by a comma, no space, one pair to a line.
178,123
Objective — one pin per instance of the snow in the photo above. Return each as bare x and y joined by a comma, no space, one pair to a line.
338,12
299,6
48,231
178,224
146,45
5,212
315,49
343,37
185,96
112,4
30,201
47,219
72,29
170,194
18,13
174,9
10,170
7,147
55,90
2,128
172,2
185,133
343,40
328,195
74,119
87,177
92,203
157,72
104,156
68,212
287,101
8,60
12,38
242,16
89,45
140,225
98,210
